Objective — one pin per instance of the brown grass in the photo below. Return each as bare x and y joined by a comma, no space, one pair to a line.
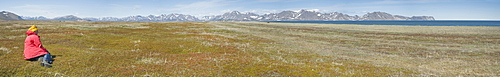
251,49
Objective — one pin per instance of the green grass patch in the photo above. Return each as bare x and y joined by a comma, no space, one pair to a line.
202,49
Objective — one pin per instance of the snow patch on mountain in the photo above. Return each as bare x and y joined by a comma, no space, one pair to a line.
300,15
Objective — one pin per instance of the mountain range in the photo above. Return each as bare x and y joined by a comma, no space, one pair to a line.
8,16
302,15
305,15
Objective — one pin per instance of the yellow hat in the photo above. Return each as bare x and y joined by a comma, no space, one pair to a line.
33,28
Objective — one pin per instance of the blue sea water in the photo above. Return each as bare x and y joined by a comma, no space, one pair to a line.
413,23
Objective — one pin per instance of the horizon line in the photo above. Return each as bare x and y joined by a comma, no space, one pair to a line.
472,19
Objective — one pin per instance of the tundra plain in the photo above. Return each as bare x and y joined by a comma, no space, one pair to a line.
251,49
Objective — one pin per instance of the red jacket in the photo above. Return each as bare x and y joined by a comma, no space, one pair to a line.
32,46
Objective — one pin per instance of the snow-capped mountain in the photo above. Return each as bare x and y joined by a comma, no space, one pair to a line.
301,15
40,18
293,16
387,16
422,18
335,16
236,16
206,18
103,19
63,18
309,15
8,16
163,17
68,18
173,17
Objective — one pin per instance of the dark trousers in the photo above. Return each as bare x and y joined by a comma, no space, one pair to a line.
47,57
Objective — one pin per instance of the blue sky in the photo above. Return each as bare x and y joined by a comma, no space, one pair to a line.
440,9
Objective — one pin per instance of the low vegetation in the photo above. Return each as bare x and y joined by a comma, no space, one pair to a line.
251,49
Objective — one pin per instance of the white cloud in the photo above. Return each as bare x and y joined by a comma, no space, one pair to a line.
227,10
137,7
269,0
316,10
402,1
126,7
34,6
277,0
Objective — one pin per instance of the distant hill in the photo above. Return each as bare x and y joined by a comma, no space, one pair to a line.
236,16
302,15
8,16
387,16
39,18
68,18
63,18
163,17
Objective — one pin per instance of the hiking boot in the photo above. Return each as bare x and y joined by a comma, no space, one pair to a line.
45,64
50,62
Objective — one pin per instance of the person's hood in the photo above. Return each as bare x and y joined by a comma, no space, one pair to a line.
30,33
